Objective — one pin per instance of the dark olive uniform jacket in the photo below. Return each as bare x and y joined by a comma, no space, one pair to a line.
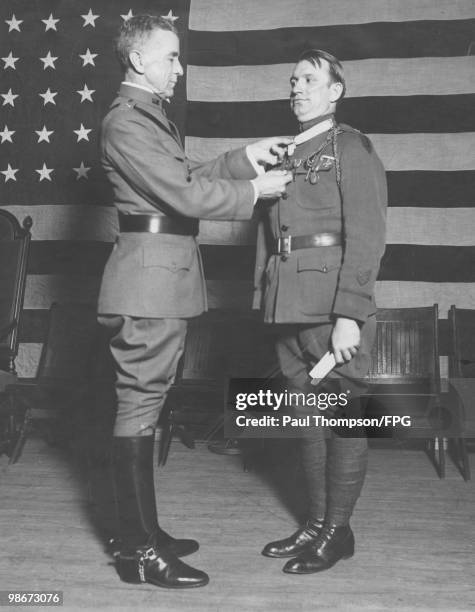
315,285
161,275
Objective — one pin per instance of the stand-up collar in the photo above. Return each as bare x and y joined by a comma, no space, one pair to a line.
306,125
312,128
140,95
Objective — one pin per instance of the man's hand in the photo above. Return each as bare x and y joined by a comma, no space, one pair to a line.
270,150
345,339
272,184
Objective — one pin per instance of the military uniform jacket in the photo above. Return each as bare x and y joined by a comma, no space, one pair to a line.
315,285
161,275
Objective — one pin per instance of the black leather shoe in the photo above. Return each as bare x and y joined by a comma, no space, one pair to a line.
159,567
333,543
179,547
294,544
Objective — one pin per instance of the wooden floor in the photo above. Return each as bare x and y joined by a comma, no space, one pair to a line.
414,535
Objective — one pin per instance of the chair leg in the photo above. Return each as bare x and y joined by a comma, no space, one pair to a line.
465,459
166,431
17,449
436,453
214,429
165,441
441,457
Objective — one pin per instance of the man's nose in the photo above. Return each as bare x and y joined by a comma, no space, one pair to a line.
296,88
178,68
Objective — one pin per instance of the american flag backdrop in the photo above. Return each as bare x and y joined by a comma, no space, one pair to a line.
410,69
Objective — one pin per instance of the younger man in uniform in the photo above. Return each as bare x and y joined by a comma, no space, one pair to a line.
318,257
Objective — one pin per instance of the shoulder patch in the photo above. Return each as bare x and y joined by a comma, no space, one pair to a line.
363,276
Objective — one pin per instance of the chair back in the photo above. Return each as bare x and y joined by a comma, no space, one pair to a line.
461,396
202,355
406,349
14,248
462,337
404,372
70,344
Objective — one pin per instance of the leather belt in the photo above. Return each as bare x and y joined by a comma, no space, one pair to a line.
158,224
286,244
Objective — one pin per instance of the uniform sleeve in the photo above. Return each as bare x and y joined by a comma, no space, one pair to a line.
233,164
261,261
364,202
158,171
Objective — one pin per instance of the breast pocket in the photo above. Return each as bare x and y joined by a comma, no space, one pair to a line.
170,257
317,273
322,194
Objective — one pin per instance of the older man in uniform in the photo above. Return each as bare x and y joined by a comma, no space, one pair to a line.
153,281
319,251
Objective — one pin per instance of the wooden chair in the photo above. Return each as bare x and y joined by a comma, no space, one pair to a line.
404,374
461,396
198,382
14,249
60,396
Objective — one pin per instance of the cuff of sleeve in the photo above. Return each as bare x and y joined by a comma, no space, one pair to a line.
257,299
353,307
256,192
259,169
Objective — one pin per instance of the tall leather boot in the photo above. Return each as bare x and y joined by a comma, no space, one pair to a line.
147,553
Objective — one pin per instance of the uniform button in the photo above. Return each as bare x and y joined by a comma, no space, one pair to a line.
284,228
324,269
283,257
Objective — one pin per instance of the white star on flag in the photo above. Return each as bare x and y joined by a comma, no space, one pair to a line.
48,61
10,173
50,23
171,17
82,133
10,61
128,16
48,96
9,98
82,171
89,19
13,23
45,172
44,134
88,58
7,134
86,93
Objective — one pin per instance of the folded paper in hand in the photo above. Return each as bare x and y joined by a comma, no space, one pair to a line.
322,368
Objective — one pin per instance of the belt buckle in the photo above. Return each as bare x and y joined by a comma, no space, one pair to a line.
284,245
154,225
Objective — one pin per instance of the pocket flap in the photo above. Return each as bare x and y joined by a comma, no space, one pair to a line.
319,260
170,256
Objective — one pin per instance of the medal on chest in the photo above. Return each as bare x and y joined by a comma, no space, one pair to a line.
314,163
310,166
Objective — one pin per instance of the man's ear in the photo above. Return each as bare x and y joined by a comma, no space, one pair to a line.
336,91
135,59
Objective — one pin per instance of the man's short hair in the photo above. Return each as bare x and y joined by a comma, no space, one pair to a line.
335,69
135,31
